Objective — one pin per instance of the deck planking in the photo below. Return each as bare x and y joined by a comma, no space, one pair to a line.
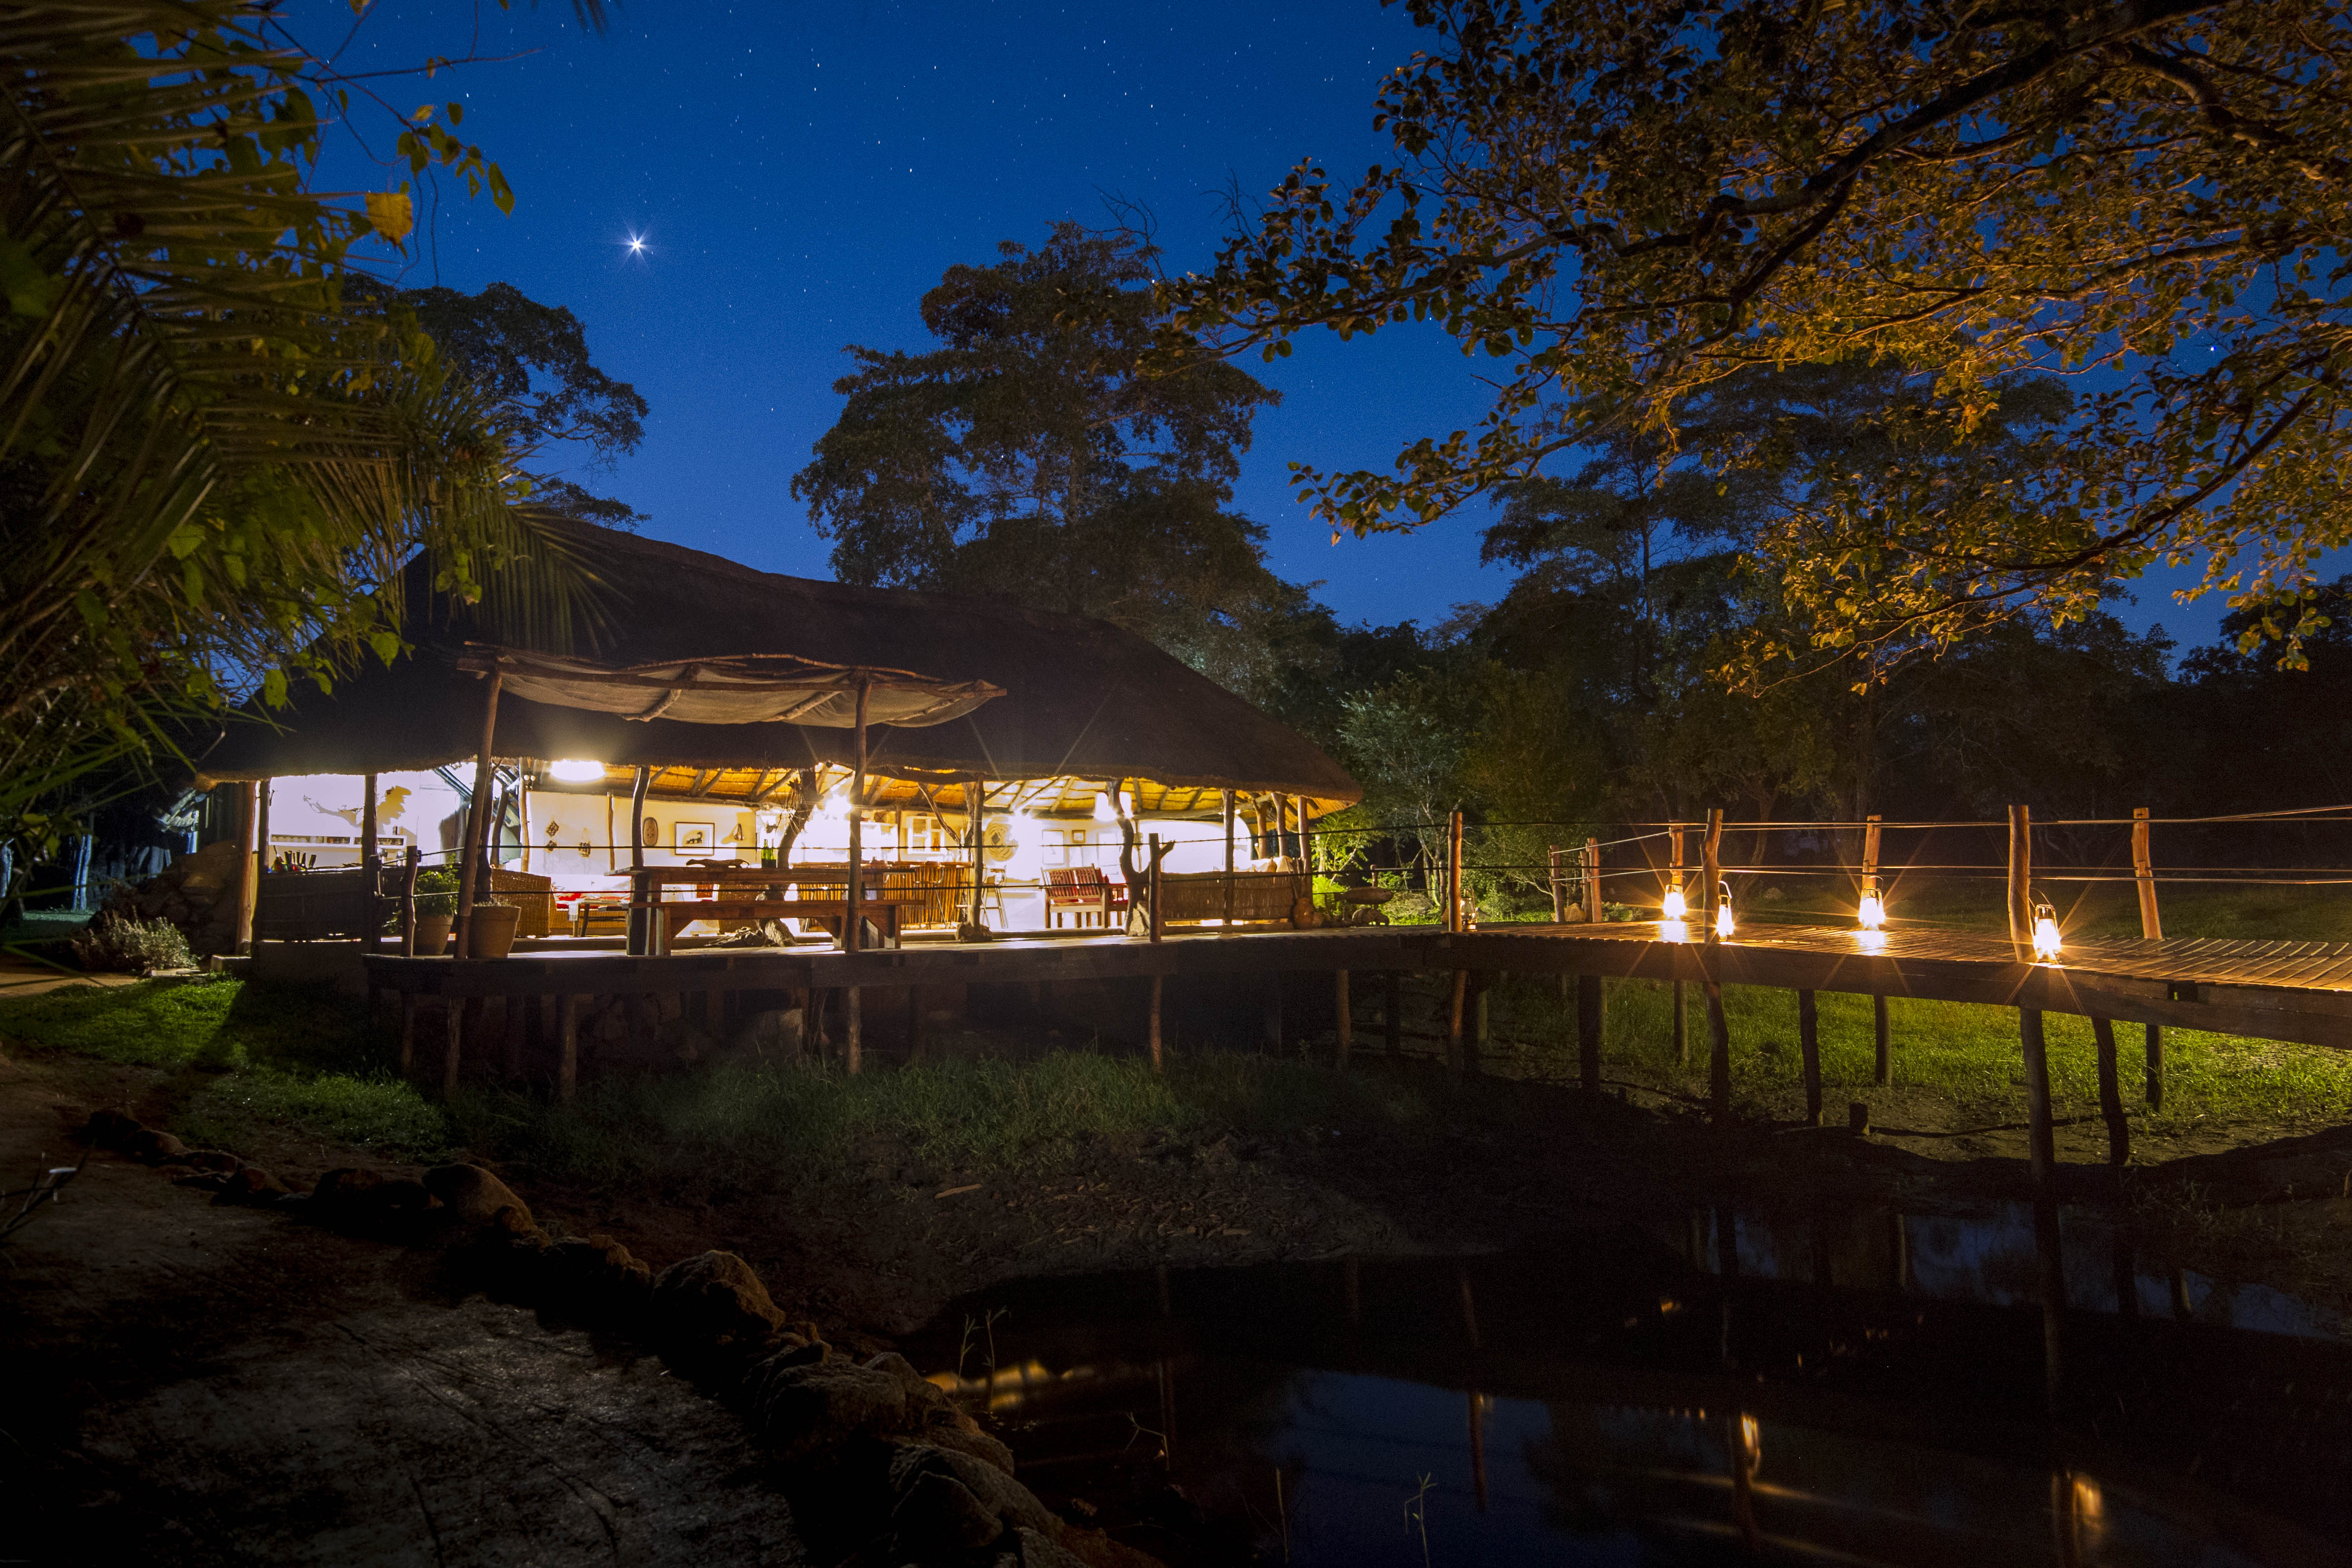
2299,991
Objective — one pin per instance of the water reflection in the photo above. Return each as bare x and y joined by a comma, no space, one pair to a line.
1716,1390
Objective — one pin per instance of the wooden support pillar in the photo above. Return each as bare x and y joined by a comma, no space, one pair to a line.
1591,1023
371,865
2042,1146
472,873
853,1029
2111,1095
1392,1011
1718,1028
408,900
1882,1041
2042,1136
454,1019
248,887
641,919
1225,798
1457,995
567,1035
1454,901
1342,1015
1559,886
1809,1047
2153,1081
1592,882
1156,1054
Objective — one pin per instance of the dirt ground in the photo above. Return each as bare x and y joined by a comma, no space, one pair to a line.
195,1384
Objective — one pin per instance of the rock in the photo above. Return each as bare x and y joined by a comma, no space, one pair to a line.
219,1160
774,1032
473,1195
254,1185
812,1409
110,1129
596,1280
1039,1550
345,1185
946,1501
711,1308
155,1147
399,1194
203,1181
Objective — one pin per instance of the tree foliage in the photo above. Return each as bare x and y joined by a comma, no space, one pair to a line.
1626,204
1026,457
210,468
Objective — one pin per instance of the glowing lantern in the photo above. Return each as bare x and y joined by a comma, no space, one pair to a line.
1723,911
575,770
2046,930
1677,907
1872,912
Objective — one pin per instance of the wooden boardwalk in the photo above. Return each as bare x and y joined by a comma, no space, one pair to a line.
2299,991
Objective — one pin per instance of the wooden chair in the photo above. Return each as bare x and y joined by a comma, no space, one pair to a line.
1083,890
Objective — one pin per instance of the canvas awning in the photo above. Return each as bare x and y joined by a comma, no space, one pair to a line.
753,688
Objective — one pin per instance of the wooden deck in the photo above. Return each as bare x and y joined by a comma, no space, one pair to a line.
2299,991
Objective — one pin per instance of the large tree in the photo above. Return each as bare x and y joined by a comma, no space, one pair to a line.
1628,203
1025,455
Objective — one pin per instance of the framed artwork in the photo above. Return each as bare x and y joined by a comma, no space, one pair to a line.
702,836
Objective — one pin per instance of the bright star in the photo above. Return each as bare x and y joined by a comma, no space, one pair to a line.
634,245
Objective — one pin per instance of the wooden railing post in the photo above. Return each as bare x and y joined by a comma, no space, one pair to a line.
472,869
1559,887
1718,1027
408,900
2021,882
1809,1047
2151,926
1592,882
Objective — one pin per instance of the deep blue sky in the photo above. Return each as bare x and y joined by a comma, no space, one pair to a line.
802,173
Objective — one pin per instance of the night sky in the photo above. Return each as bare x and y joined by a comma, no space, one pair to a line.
799,174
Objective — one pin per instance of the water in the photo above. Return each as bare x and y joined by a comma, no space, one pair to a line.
1713,1389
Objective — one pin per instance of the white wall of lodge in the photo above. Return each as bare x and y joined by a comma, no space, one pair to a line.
581,841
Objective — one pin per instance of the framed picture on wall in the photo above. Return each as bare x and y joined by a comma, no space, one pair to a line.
701,837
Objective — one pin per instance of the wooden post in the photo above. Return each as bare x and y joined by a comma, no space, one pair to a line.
2111,1095
1674,857
853,1029
853,927
1453,1021
408,900
1809,1047
1592,1020
2021,881
975,792
1391,1012
1152,883
1883,1040
1718,1027
1155,1028
372,919
1226,798
453,1016
1558,888
261,829
641,921
471,872
248,890
1592,882
1453,871
2042,1146
567,1032
1341,1014
2151,926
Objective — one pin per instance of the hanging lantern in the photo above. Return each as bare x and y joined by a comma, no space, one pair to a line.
1873,914
1677,907
1723,911
2045,931
575,770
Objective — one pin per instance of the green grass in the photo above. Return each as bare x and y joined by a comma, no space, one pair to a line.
292,1057
1968,1054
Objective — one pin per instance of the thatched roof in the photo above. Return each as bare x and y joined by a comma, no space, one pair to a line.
1082,698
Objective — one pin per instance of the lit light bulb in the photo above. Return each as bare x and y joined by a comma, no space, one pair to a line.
1723,911
1677,907
575,770
1872,912
2045,932
1103,813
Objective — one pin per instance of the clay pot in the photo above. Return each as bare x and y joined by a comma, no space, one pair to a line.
433,935
492,933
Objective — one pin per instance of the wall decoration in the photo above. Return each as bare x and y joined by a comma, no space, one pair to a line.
699,836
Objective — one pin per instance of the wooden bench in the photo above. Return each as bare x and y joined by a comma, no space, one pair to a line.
1081,891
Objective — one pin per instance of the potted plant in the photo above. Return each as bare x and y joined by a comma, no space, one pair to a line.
437,908
491,933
